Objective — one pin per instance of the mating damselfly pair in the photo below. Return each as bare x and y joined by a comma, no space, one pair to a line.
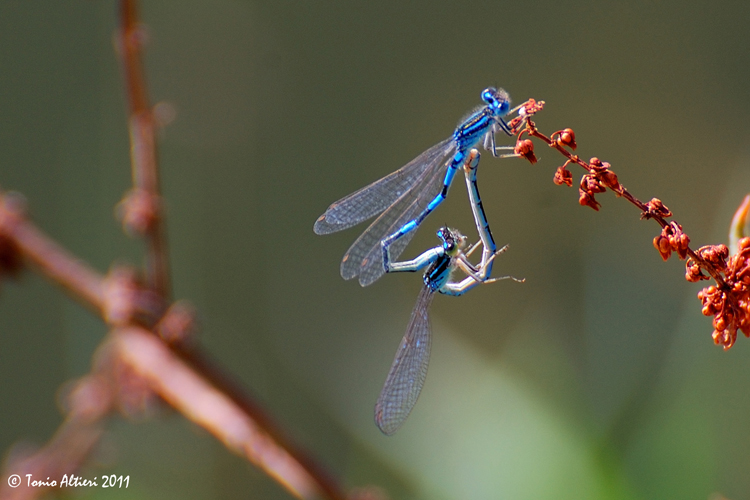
402,200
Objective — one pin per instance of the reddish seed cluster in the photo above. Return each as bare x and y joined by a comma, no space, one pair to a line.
599,178
604,175
729,304
590,185
672,239
565,138
655,208
693,272
713,255
729,300
716,255
563,176
525,149
527,109
532,106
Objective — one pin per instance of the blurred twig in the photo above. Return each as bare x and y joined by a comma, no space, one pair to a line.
24,239
142,208
147,352
193,396
88,402
179,372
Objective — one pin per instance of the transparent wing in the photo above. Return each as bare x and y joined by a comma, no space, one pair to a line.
365,257
409,369
376,197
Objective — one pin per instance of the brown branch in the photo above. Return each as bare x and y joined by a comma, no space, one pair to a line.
89,401
51,259
200,361
147,353
64,454
142,208
118,301
198,400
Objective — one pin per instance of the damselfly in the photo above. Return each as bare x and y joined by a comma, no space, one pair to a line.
410,194
409,369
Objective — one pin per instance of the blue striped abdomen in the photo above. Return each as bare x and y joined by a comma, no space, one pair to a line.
473,129
438,273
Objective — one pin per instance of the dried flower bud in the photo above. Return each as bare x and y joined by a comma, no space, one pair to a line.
525,111
563,176
656,208
587,199
672,239
716,255
720,323
682,243
678,240
591,184
609,179
525,149
693,272
725,337
722,251
531,107
740,266
661,243
588,188
712,300
596,165
567,138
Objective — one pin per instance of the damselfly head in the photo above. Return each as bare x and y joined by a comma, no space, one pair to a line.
497,99
452,239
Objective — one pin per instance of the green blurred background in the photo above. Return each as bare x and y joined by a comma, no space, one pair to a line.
595,379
